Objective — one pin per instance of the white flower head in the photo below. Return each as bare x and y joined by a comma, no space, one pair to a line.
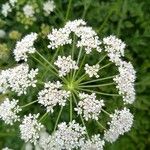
13,2
18,79
6,9
52,94
92,70
121,122
65,65
9,110
89,107
30,128
125,82
49,6
87,37
115,48
28,11
24,47
59,38
95,143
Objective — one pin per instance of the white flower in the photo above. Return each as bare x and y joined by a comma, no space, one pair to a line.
6,9
121,122
115,48
65,64
30,128
95,143
12,2
9,110
87,36
59,38
89,106
92,70
49,6
125,82
2,33
25,46
18,79
52,95
28,11
6,148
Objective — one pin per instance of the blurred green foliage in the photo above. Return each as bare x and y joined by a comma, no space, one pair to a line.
129,20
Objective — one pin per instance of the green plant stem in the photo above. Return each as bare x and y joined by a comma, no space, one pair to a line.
96,80
102,59
82,78
56,52
68,10
59,114
105,66
106,112
100,125
100,93
45,114
45,66
82,120
23,106
46,61
70,107
100,85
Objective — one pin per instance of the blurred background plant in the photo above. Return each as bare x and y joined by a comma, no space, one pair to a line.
128,19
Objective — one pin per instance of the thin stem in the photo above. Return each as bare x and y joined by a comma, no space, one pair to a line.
80,66
96,80
82,120
105,66
45,114
70,107
100,93
79,55
46,61
82,78
100,125
68,10
106,112
56,52
59,114
23,106
100,85
45,66
102,59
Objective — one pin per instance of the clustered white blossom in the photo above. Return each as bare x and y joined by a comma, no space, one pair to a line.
67,136
7,7
48,6
24,47
89,107
30,128
87,37
65,65
115,48
92,70
125,82
95,143
28,11
18,79
9,110
121,122
52,94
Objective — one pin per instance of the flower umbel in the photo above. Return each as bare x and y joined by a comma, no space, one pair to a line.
74,86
